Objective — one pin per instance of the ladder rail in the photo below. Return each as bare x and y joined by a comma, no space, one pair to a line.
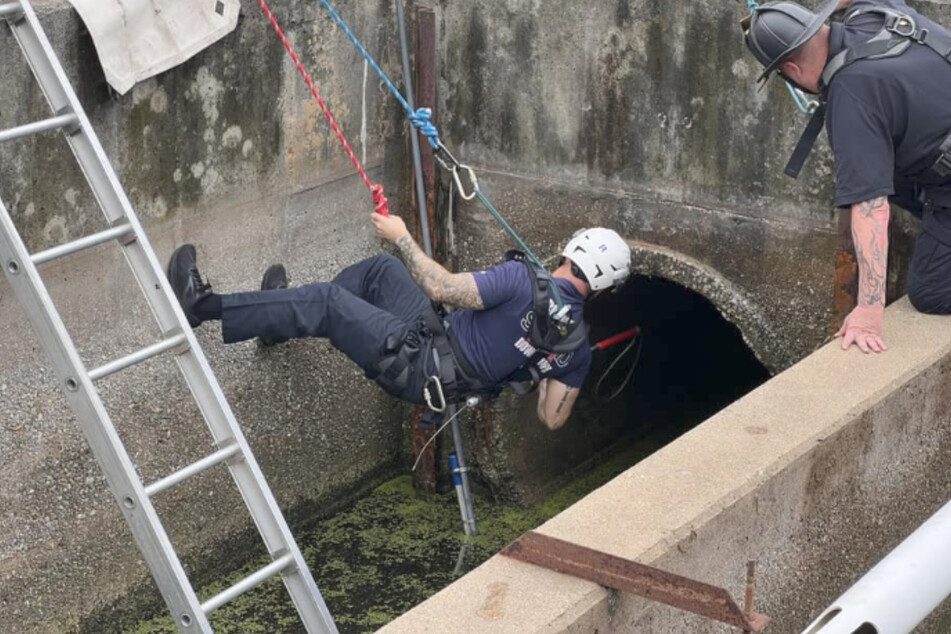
198,375
97,426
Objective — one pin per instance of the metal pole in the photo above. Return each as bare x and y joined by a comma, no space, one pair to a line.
414,136
468,517
904,588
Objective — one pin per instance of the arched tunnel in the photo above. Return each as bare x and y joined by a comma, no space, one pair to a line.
691,361
688,363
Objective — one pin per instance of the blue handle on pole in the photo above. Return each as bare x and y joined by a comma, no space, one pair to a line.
454,467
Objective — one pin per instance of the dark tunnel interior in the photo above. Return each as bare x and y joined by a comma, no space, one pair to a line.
693,362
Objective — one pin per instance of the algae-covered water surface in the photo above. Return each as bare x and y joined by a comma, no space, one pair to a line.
388,552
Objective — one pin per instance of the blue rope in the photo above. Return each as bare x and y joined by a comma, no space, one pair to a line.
422,121
421,118
752,5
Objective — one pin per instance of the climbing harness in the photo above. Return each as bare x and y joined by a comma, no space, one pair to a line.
380,203
544,339
452,379
899,32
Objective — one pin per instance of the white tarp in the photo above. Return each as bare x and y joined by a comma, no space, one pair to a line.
138,39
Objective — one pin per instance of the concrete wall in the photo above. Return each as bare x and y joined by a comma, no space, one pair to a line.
817,475
230,152
636,115
644,117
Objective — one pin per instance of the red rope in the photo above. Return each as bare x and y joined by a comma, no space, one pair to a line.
380,203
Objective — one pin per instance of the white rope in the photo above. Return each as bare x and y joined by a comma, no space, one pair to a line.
438,431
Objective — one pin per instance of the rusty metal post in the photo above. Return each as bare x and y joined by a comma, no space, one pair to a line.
750,590
846,289
425,474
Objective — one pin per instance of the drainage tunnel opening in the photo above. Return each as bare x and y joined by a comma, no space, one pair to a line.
692,364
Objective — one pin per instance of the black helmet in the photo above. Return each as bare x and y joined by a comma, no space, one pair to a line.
776,29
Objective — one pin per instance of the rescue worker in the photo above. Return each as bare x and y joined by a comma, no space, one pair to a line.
379,312
883,77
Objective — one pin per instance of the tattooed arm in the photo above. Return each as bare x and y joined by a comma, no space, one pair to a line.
455,289
555,401
865,324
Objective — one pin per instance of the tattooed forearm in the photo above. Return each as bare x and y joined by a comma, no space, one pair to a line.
870,235
563,401
555,402
440,285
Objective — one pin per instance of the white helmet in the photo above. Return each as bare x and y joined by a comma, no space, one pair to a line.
602,255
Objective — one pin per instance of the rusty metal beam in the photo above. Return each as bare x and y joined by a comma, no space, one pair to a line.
629,576
846,289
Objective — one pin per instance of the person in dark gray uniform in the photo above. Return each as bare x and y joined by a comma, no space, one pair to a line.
883,75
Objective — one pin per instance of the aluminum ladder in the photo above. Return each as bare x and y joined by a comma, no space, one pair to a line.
78,383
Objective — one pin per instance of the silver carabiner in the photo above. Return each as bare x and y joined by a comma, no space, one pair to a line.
434,380
472,178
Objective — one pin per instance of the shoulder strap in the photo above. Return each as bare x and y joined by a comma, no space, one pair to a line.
898,33
547,337
806,142
891,41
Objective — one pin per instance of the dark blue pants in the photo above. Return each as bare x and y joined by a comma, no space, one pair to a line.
368,304
929,280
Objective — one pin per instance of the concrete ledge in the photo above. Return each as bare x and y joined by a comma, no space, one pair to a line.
817,474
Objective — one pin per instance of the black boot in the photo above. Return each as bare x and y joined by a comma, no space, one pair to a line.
186,281
275,278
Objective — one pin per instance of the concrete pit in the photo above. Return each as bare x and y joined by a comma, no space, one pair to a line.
393,548
639,116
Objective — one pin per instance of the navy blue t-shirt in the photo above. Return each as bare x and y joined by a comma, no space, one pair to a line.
492,340
886,117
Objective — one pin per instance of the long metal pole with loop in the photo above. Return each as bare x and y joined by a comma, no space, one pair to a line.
459,468
414,134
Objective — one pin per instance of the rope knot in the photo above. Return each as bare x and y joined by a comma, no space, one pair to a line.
422,121
380,204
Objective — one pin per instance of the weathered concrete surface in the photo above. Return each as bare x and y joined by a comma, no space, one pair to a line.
636,115
644,117
816,475
213,152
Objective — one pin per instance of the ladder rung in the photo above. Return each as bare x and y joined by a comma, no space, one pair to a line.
10,10
88,242
138,357
247,583
62,121
194,469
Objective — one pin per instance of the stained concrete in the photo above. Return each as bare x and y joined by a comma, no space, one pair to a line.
641,116
644,117
816,475
230,152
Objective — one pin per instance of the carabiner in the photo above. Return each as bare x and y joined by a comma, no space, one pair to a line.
442,149
434,380
472,179
806,105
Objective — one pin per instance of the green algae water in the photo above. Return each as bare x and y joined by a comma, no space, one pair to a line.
388,552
